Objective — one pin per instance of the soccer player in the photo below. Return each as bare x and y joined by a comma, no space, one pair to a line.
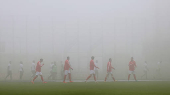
51,68
96,70
54,71
109,70
92,72
21,70
67,70
62,70
9,71
33,69
38,71
132,65
158,70
145,70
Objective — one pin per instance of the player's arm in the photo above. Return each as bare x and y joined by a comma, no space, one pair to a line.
147,68
95,65
135,65
69,65
41,65
7,68
112,67
64,67
107,68
22,69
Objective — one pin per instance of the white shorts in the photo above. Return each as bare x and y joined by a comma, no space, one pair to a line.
109,73
38,73
67,72
92,72
131,72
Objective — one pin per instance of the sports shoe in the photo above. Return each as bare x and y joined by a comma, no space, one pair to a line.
104,81
71,81
44,82
64,82
32,82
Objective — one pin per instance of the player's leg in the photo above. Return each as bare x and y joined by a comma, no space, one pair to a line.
69,73
7,75
94,77
133,72
66,73
97,75
130,72
113,77
144,74
34,74
20,74
88,77
106,77
42,77
37,73
10,75
55,75
50,76
134,76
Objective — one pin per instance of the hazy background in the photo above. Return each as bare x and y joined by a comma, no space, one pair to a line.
55,29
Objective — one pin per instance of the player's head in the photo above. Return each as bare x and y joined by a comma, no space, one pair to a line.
41,60
110,59
145,61
33,61
61,62
92,57
131,58
21,62
96,61
52,62
9,62
68,58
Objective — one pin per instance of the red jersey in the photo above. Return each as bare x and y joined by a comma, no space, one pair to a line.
109,67
38,67
67,65
92,65
132,65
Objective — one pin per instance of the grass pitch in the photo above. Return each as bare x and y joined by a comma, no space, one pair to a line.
90,88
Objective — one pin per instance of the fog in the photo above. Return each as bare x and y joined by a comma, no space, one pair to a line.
55,29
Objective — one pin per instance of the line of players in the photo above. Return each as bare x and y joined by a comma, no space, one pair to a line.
36,71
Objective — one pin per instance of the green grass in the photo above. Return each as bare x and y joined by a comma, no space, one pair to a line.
91,88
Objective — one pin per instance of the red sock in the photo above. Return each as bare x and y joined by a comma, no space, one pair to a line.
134,76
70,77
113,78
128,76
34,78
42,78
65,77
95,78
88,77
105,78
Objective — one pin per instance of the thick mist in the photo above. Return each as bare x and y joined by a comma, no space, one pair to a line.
55,29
